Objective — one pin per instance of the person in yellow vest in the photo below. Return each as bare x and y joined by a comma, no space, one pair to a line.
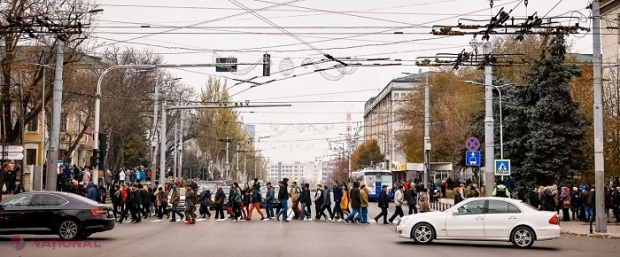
364,204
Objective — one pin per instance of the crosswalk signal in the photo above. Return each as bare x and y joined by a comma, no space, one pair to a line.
266,65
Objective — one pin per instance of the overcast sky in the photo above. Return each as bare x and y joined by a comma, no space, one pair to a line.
186,32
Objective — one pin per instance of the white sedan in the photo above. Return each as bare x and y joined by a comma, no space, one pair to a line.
483,219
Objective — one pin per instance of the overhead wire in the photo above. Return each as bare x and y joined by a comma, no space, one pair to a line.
203,22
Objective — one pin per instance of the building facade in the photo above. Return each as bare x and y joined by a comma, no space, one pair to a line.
380,121
307,172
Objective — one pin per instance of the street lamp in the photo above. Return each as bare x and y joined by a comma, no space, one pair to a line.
501,122
98,106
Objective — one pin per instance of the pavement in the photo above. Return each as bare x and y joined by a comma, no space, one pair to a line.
272,238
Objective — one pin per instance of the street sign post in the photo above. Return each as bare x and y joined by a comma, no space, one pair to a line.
472,158
502,167
12,148
12,152
472,144
11,156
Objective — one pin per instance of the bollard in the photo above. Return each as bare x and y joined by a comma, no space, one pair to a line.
591,221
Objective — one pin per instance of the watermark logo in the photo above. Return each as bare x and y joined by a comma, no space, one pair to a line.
18,243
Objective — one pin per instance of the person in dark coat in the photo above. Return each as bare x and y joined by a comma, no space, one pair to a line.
384,203
220,196
356,201
283,198
205,200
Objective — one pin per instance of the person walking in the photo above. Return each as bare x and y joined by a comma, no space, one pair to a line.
411,199
363,205
399,200
337,189
295,195
327,204
269,197
191,199
283,198
318,202
384,203
237,198
256,199
355,202
219,204
424,201
175,199
205,201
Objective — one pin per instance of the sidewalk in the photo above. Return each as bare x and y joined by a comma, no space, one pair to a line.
579,228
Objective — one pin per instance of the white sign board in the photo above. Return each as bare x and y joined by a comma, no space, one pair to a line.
12,148
11,156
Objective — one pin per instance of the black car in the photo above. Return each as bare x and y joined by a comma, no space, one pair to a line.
43,213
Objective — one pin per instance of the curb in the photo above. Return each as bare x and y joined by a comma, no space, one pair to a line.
602,236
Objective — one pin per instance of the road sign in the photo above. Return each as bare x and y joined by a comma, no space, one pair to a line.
472,158
472,144
12,148
502,167
11,156
225,64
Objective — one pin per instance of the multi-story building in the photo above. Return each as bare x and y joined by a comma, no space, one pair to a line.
380,122
294,171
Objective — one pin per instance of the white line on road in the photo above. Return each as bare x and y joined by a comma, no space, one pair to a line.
201,219
156,220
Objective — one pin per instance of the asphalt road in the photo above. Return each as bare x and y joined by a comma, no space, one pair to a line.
296,238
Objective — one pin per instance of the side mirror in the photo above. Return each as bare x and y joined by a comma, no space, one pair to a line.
455,212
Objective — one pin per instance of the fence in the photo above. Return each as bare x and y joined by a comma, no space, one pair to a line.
440,206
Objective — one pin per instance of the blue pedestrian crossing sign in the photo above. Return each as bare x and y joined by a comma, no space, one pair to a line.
472,158
502,167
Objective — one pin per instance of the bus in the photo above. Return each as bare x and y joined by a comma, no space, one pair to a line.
374,181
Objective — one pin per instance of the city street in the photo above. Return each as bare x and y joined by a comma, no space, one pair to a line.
296,238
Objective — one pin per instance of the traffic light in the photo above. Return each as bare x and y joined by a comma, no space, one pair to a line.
94,161
266,65
103,149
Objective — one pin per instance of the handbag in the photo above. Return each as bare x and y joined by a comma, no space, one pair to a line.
566,202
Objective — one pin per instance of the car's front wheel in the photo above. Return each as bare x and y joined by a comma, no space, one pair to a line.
422,233
522,237
69,229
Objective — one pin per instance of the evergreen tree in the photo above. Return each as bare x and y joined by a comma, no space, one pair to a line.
555,128
543,129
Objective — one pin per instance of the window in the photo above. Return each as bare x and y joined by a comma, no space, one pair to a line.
498,206
18,200
33,125
49,200
64,118
473,207
31,156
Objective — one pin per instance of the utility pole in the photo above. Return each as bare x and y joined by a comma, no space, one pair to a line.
162,146
245,172
54,138
153,139
599,166
227,169
175,150
489,135
237,155
427,135
181,147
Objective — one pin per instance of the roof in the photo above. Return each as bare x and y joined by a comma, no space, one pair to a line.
394,85
608,6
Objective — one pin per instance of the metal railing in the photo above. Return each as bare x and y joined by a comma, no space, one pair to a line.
439,206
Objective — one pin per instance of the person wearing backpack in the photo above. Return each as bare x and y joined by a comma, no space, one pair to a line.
163,203
256,199
501,190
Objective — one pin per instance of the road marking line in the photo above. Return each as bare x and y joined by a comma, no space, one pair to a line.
156,220
200,219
